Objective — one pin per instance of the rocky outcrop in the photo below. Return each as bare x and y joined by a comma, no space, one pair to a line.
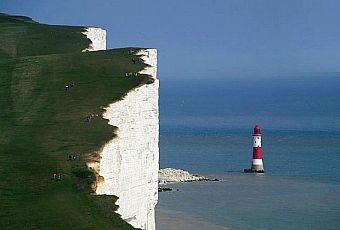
170,175
97,37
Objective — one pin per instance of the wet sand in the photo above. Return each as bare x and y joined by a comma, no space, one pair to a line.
173,220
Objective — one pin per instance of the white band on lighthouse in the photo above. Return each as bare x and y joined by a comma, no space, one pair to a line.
257,141
257,162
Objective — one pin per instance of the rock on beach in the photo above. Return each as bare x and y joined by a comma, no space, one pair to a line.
171,175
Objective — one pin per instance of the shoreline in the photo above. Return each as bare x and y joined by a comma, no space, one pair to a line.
219,204
167,219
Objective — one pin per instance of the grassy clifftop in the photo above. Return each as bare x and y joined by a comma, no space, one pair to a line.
41,124
21,36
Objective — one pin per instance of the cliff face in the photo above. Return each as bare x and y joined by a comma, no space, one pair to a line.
129,163
97,37
43,65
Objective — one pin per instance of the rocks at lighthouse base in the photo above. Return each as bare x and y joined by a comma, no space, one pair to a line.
253,171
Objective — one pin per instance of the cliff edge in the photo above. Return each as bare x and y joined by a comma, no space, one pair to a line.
129,163
65,109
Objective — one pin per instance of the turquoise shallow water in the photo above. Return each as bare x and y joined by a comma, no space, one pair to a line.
206,129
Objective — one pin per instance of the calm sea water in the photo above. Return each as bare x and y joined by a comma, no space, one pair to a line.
206,129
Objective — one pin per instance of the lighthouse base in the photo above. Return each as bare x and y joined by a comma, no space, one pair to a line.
256,167
253,171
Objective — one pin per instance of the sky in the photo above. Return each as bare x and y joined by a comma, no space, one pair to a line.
200,39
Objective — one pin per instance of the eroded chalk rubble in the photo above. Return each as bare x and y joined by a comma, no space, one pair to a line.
171,175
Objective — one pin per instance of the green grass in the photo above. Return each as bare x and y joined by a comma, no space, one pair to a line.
41,124
21,36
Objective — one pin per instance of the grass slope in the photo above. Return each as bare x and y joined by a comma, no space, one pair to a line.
21,36
41,124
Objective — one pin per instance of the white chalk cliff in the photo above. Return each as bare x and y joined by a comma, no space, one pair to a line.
128,164
97,37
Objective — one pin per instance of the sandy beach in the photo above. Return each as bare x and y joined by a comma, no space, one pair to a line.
174,220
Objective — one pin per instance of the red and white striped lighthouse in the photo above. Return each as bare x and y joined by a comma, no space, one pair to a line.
256,164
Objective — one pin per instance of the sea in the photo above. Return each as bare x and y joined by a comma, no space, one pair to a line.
205,128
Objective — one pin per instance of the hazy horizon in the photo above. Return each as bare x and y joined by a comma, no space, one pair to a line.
308,102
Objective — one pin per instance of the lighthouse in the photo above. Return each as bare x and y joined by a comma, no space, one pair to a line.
256,164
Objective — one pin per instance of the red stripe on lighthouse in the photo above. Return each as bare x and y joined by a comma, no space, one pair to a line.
257,153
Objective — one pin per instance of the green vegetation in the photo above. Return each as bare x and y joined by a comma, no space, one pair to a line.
41,124
21,36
